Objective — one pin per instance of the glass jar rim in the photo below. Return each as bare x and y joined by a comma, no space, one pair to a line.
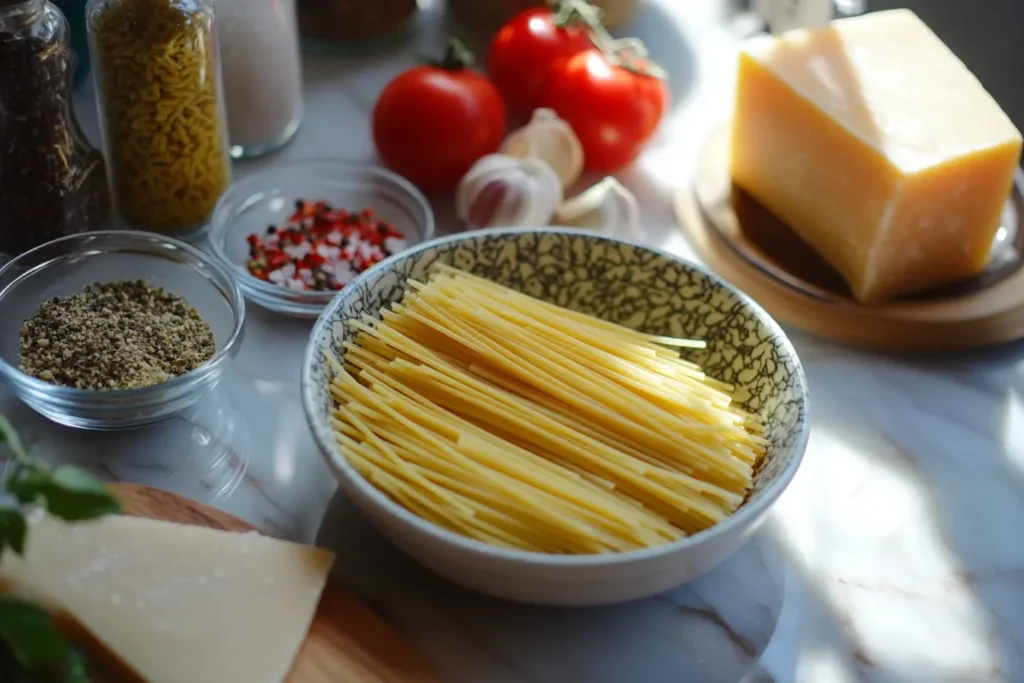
21,4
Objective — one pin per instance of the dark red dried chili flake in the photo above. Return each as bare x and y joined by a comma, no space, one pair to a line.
338,244
277,259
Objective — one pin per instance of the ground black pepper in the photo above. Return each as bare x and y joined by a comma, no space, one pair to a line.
52,182
123,335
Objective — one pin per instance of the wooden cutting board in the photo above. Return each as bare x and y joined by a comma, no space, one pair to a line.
741,241
347,642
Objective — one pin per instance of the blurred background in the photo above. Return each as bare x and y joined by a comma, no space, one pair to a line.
987,34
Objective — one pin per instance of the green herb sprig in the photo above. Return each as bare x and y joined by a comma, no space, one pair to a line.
27,632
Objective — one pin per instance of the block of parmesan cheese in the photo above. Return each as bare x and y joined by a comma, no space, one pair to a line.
874,142
175,603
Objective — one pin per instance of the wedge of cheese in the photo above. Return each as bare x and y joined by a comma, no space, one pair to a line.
175,603
878,147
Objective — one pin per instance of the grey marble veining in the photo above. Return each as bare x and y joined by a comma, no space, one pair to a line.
712,630
896,556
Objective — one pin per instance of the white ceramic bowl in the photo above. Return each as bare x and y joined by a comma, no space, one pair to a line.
618,281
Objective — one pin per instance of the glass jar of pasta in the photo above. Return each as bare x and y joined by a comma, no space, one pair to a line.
162,117
52,181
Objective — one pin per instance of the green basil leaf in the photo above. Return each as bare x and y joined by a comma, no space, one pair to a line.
27,483
74,495
12,530
71,478
11,670
75,670
9,436
31,634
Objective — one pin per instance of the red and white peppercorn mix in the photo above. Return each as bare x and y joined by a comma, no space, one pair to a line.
321,248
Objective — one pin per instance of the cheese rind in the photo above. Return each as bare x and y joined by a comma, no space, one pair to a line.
878,147
175,603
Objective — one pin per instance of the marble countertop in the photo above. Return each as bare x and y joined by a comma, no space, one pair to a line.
896,555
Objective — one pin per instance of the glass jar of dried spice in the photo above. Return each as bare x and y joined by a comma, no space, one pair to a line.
52,182
158,82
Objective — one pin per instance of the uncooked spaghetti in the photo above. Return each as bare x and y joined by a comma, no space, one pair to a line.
529,426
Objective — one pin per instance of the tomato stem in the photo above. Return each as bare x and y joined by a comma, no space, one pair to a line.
456,57
573,13
629,53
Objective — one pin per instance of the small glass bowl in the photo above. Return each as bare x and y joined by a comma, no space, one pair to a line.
268,197
66,266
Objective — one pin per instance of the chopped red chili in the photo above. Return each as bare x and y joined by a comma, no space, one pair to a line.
321,248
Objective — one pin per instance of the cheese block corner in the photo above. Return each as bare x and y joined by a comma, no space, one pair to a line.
175,603
877,146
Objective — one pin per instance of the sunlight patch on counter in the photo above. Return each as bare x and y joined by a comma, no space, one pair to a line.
1012,434
859,525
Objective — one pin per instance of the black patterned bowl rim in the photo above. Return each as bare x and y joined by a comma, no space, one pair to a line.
748,514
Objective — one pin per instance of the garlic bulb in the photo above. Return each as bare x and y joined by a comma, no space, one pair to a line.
550,139
501,190
606,207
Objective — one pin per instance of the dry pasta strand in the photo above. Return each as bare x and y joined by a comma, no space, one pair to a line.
525,425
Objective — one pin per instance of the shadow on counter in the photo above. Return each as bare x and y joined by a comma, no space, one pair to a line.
712,630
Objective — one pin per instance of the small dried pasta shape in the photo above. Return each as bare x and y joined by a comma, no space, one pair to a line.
157,73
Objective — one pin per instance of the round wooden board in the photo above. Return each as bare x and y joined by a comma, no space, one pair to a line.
346,641
985,317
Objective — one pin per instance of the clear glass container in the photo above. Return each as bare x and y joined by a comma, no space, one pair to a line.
262,72
354,25
68,265
161,110
268,197
74,12
52,182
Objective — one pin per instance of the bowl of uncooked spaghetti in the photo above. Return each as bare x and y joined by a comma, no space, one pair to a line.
553,416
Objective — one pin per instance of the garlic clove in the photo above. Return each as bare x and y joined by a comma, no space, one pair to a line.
607,206
549,138
502,190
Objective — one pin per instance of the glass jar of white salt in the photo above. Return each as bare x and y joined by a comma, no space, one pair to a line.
262,73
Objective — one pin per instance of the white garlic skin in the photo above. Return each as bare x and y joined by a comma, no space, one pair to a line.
608,207
501,190
550,139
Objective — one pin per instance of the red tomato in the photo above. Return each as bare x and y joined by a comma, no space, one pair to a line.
432,123
614,110
525,53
